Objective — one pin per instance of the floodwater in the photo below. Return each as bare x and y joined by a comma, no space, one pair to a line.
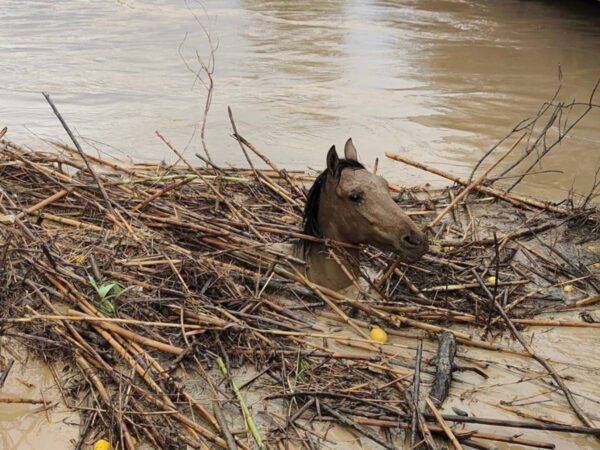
517,388
439,81
22,426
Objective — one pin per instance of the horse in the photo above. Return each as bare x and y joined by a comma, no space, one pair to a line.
351,205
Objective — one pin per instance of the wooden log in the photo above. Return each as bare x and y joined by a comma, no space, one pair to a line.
443,369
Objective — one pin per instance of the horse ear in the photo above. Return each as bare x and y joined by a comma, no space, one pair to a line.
332,160
350,150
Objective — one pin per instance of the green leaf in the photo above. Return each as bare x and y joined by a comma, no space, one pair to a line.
299,375
105,290
93,282
117,289
107,308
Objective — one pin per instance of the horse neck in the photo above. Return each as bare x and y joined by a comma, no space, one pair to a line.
323,269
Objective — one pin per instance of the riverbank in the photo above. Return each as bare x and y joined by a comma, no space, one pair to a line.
156,292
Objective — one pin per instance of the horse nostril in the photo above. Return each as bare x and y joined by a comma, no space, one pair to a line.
413,239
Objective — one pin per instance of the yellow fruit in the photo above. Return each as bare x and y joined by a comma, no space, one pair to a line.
435,246
492,280
79,259
378,335
568,288
593,249
102,445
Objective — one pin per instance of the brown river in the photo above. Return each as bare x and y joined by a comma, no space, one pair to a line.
439,81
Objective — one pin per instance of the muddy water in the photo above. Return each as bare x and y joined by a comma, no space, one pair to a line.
24,426
440,81
514,382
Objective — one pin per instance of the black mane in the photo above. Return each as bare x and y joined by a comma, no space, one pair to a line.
311,209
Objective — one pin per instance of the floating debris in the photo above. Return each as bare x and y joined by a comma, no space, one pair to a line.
135,276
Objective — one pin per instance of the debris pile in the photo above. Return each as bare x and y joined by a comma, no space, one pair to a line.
127,279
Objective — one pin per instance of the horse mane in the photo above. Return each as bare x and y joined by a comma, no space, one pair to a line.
311,209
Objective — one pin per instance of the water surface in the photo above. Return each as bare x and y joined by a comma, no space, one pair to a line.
439,81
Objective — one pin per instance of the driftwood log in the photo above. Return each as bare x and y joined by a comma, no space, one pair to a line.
443,369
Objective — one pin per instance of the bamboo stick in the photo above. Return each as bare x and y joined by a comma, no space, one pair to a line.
245,410
443,424
474,184
514,199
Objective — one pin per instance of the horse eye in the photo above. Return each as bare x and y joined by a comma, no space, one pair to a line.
355,197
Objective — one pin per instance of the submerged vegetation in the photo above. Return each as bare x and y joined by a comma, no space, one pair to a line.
134,279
